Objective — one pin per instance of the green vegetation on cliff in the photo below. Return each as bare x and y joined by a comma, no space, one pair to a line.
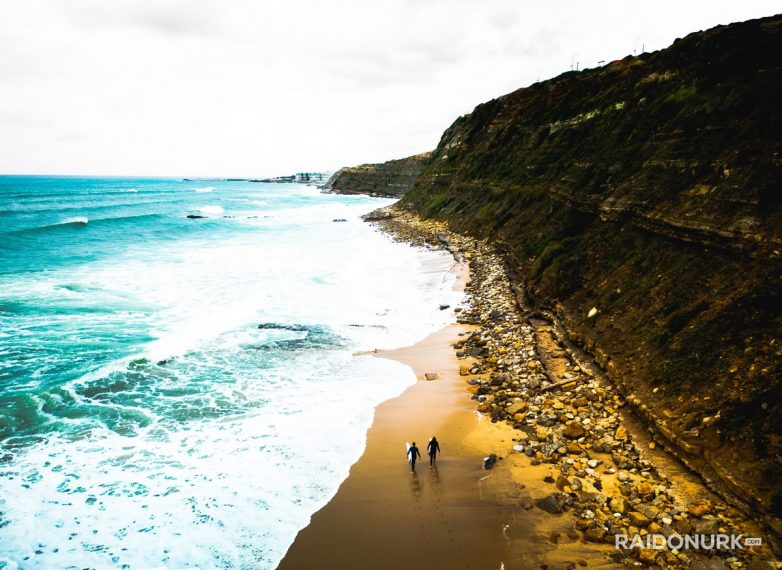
650,190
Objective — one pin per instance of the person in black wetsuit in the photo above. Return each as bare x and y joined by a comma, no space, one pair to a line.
413,453
432,449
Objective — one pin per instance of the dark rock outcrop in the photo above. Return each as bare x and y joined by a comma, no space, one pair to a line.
390,179
640,203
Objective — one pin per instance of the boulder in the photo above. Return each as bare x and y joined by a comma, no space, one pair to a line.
647,555
638,519
595,534
516,407
699,508
550,504
573,430
644,490
618,505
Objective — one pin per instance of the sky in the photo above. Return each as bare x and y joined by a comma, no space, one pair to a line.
250,88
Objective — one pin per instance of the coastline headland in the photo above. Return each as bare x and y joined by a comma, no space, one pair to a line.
622,226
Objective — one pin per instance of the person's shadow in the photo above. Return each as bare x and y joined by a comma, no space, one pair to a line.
416,486
434,479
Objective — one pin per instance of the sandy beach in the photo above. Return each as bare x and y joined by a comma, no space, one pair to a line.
442,516
574,470
384,516
454,515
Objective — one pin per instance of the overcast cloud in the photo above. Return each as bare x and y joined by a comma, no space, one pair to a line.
256,88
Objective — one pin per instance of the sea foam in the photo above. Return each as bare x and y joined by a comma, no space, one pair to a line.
211,209
167,428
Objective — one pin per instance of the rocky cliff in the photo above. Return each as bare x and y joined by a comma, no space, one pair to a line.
640,203
389,179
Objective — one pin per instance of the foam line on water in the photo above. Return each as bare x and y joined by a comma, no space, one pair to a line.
169,422
233,491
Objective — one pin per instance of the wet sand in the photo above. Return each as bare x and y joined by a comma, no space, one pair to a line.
456,515
385,516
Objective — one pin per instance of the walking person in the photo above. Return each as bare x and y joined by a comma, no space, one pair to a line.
432,449
414,454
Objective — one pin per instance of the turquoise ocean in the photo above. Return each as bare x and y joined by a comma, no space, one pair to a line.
185,392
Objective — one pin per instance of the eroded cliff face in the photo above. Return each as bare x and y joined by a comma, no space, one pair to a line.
390,179
649,189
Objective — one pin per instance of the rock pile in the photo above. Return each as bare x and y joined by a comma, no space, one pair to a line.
572,423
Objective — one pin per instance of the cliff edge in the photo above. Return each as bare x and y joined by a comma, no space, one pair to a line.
640,203
390,179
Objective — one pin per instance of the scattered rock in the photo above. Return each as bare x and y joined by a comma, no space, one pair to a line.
516,407
550,504
644,490
638,519
647,555
700,508
488,462
573,430
564,416
595,534
618,505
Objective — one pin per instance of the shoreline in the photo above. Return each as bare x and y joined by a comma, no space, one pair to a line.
457,515
385,516
575,467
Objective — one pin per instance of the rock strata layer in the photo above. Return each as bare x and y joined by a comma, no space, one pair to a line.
639,205
390,179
